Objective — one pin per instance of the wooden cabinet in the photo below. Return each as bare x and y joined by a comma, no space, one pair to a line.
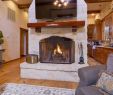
95,31
90,52
101,54
90,32
98,31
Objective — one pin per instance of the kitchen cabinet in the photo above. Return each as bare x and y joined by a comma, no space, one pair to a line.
90,32
95,31
101,54
98,31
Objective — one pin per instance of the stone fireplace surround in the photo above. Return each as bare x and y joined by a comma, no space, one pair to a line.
60,72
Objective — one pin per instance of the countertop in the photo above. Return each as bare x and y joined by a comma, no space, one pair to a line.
106,47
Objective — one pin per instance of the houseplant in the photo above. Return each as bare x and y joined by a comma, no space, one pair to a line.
1,39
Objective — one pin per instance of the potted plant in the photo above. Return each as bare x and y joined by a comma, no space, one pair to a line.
1,39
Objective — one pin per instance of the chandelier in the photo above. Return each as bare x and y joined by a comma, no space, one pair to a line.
61,3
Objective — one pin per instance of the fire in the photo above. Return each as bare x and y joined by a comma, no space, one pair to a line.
58,50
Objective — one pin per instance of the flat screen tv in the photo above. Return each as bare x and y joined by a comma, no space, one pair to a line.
45,9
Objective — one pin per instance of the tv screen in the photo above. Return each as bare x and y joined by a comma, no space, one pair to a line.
45,9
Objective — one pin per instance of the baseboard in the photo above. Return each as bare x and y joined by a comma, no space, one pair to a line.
13,60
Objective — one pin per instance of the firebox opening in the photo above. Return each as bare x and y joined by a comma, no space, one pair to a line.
58,50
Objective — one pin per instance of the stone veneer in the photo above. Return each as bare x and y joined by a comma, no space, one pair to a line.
79,36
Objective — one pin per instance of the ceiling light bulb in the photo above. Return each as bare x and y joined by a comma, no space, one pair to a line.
62,1
59,5
56,2
65,3
92,14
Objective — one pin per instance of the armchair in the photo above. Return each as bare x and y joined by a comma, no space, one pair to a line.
90,75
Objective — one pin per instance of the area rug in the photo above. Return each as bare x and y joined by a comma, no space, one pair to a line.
25,89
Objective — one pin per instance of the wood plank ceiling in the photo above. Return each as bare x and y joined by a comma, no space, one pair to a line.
95,6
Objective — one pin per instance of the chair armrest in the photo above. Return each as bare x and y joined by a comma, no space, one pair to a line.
89,75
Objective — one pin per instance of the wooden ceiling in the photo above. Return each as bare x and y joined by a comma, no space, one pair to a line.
97,1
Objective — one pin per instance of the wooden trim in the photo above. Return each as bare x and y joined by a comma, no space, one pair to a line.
27,39
11,60
93,11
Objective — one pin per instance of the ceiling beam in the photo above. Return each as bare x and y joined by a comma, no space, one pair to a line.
97,1
23,6
93,11
20,6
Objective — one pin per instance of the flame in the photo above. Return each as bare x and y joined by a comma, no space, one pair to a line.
58,50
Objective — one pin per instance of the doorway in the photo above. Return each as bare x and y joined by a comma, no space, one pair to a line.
23,42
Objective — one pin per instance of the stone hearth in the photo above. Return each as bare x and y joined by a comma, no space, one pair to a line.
61,72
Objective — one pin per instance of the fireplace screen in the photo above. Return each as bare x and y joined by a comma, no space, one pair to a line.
59,50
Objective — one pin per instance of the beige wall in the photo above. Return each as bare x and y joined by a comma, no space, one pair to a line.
11,30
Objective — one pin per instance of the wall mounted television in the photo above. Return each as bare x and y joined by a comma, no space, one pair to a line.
46,10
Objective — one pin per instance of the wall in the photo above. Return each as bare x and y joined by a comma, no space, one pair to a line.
11,30
79,36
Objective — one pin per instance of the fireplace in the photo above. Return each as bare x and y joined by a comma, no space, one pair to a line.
58,50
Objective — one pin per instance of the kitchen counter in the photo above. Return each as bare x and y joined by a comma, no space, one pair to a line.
106,47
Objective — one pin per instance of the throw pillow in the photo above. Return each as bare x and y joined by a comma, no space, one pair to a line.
105,83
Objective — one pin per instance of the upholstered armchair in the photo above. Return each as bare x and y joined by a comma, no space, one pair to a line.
89,77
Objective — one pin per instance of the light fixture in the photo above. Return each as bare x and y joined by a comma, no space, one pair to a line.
61,3
56,2
65,3
93,14
98,17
